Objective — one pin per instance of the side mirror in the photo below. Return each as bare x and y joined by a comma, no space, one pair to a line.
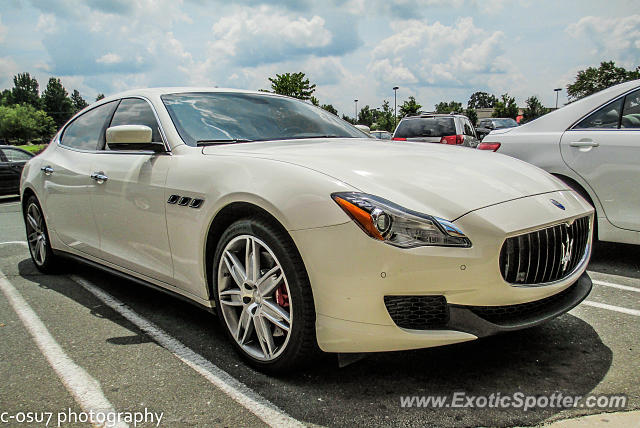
491,126
132,137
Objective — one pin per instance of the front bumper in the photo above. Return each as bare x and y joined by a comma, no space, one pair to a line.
351,274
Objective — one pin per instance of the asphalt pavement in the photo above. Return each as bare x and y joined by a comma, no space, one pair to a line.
142,349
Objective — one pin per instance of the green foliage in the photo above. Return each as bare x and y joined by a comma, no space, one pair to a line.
22,123
56,102
6,98
450,107
349,119
366,116
383,118
593,80
329,108
25,90
78,102
481,100
315,101
505,107
472,115
99,97
409,107
34,148
292,85
533,110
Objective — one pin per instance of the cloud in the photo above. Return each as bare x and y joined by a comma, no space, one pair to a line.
611,38
3,31
8,69
439,55
109,58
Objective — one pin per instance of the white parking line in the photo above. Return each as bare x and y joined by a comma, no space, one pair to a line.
618,286
85,389
235,389
612,307
14,242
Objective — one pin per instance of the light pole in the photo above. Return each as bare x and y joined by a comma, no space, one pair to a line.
557,90
356,117
395,106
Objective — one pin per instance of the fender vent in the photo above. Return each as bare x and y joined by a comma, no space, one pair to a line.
418,312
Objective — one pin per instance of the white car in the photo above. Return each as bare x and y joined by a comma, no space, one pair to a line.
300,233
593,145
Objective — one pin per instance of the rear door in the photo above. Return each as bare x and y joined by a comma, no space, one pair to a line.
67,180
604,149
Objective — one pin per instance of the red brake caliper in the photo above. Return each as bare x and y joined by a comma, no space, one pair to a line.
282,297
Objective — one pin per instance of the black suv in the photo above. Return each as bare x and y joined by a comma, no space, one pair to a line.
454,129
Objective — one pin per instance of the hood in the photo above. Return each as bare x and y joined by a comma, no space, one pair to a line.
441,180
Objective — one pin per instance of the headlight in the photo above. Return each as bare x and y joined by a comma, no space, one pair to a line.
397,226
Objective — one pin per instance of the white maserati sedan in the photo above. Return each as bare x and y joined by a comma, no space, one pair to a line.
593,145
302,233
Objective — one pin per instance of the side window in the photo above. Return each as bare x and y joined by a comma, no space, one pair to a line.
606,117
87,131
134,111
14,155
631,111
468,129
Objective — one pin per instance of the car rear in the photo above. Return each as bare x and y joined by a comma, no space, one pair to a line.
443,129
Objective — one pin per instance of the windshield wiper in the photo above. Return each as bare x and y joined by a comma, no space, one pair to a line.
202,143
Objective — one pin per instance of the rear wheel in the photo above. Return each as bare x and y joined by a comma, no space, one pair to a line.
38,237
263,296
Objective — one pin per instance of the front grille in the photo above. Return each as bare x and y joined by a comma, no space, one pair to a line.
418,312
546,255
515,313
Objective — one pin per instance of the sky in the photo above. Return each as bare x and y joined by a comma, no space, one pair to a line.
434,50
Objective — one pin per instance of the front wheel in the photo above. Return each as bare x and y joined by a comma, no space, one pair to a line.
263,296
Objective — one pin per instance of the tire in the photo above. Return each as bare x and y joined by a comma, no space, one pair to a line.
268,314
38,241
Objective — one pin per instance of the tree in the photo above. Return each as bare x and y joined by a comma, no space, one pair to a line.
409,107
349,119
450,107
78,102
384,118
25,90
533,110
593,80
99,97
329,108
481,100
23,123
56,102
6,98
472,115
505,107
366,116
292,85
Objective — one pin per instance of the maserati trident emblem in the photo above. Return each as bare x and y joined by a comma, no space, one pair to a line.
565,253
557,204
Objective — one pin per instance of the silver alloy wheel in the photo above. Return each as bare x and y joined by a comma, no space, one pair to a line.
36,235
254,296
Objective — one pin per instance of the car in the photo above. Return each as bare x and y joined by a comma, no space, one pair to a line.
299,233
591,144
12,160
453,129
484,126
382,135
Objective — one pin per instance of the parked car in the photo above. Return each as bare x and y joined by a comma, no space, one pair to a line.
382,135
454,129
12,160
300,233
484,126
593,145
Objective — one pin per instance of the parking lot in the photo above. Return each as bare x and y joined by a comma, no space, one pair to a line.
164,355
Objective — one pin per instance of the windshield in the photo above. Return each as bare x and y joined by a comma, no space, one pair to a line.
237,117
504,123
426,127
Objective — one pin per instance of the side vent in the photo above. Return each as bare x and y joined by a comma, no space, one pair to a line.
173,199
196,203
184,201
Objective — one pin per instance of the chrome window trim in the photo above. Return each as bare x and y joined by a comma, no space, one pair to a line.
572,126
121,152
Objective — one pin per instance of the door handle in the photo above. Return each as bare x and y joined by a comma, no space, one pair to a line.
99,177
584,144
47,170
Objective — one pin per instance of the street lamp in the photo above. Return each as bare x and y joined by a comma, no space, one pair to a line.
395,106
356,117
557,90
